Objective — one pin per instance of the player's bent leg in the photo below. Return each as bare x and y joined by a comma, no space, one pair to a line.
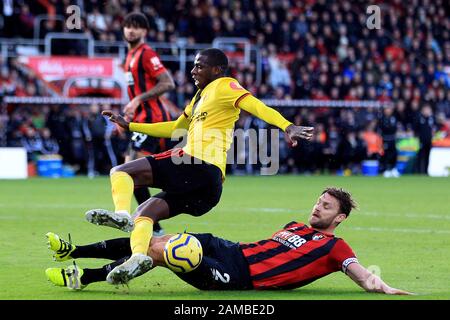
142,194
139,263
123,180
140,170
148,213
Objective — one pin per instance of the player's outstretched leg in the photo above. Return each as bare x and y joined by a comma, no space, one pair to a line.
143,194
154,209
137,265
74,277
123,178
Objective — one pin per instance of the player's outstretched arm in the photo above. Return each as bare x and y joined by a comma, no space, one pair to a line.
160,129
256,107
371,282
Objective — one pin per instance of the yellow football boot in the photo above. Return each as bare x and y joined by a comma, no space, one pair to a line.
61,247
69,277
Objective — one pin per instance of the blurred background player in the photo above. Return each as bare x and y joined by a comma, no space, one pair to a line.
293,257
147,80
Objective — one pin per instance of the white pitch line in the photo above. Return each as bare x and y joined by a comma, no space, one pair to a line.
270,210
402,230
407,215
244,209
46,206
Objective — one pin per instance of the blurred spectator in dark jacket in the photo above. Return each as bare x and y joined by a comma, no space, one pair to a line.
388,129
352,150
32,142
49,144
424,129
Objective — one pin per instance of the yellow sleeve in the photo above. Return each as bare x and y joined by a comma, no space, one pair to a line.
256,107
161,129
231,90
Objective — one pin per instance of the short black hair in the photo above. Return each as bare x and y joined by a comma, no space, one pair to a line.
216,58
346,202
137,20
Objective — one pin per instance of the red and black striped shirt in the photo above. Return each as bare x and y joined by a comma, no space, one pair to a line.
142,67
295,256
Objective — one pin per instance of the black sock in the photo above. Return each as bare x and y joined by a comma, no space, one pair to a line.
114,249
97,275
142,194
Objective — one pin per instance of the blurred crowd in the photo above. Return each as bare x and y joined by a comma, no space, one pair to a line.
84,138
92,145
316,49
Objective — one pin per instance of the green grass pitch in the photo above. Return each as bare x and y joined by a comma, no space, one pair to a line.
402,228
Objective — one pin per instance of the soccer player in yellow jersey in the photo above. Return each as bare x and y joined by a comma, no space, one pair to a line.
190,178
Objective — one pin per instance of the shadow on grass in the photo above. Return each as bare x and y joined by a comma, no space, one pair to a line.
169,294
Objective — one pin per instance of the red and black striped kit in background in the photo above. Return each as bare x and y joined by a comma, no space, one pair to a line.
295,256
142,67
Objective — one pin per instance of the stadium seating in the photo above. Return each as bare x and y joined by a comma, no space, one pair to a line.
319,50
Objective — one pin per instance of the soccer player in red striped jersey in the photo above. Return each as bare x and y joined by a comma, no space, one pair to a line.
292,257
147,80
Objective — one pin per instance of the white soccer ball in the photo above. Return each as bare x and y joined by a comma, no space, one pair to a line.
183,253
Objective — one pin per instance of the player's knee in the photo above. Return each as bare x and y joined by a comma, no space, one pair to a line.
203,207
151,209
119,168
139,213
113,170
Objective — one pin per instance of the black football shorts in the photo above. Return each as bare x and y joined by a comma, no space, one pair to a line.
223,266
188,186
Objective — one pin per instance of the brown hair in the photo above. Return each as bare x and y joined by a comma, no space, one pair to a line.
137,20
346,203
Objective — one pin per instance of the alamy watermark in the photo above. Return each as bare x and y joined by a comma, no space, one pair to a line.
374,282
374,19
74,19
242,147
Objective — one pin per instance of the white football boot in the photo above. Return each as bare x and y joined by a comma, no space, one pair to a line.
136,265
119,220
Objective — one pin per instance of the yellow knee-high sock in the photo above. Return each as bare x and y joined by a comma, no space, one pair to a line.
122,186
141,235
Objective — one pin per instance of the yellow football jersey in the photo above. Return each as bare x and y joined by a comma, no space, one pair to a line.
212,114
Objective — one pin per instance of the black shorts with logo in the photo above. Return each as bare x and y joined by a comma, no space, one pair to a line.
188,185
223,266
150,145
